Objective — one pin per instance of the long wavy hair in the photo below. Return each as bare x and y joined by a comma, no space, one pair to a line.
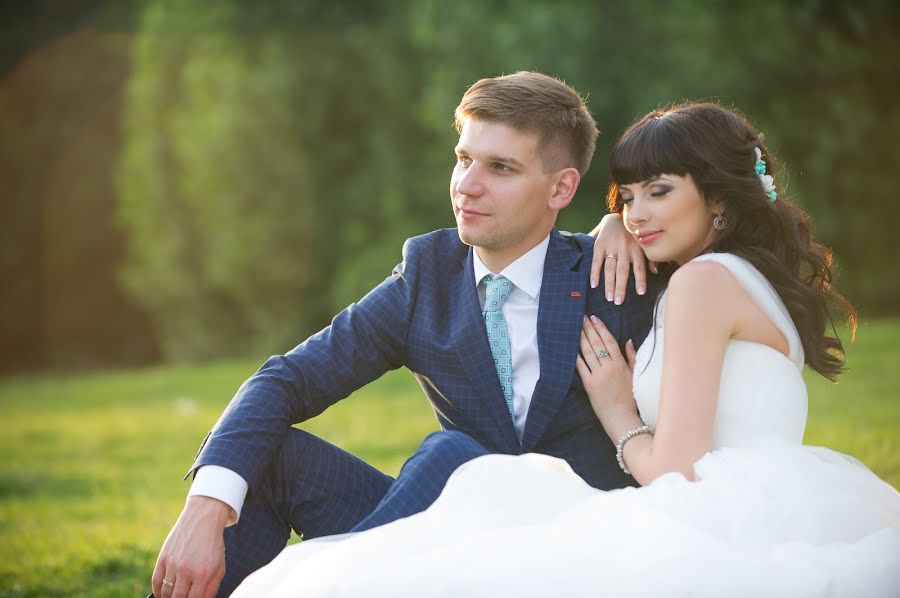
715,146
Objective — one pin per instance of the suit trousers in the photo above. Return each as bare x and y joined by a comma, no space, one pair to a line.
318,489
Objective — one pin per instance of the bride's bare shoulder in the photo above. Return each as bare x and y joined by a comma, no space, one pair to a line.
705,294
703,280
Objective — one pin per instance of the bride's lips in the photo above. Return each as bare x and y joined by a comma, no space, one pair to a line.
647,237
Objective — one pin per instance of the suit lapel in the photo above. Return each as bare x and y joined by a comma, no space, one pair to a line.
560,312
469,338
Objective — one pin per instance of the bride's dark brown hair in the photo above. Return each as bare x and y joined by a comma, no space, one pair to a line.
715,146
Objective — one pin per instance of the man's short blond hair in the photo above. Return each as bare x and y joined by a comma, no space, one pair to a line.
536,103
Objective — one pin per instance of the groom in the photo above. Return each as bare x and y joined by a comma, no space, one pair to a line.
487,316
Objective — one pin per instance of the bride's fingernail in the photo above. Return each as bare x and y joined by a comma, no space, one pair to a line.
641,290
595,319
593,284
609,296
618,299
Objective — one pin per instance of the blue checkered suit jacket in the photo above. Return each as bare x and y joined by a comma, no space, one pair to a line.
426,317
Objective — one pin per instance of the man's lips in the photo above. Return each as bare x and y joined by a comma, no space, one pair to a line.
466,213
648,237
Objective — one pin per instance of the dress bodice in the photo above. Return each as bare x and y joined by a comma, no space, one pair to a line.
762,395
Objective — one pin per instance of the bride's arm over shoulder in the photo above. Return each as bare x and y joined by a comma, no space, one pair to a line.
703,302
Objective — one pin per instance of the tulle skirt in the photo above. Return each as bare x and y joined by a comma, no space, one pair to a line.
780,521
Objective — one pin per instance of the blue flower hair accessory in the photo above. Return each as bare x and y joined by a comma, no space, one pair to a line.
766,180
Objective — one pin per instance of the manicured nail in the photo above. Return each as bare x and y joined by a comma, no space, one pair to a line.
609,296
593,283
595,319
641,290
618,299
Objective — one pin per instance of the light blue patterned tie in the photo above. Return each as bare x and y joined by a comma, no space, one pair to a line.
498,290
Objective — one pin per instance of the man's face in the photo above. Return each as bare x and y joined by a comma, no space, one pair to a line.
500,192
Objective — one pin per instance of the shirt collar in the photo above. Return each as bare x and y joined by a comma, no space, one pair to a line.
526,272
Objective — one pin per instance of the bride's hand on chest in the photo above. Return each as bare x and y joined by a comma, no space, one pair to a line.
607,374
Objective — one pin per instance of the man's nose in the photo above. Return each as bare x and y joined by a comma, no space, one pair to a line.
469,181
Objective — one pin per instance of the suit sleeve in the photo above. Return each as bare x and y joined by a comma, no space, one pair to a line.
364,341
638,317
631,320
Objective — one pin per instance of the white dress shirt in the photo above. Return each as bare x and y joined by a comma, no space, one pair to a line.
520,312
220,482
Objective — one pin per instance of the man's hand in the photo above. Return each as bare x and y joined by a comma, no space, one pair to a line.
615,250
193,556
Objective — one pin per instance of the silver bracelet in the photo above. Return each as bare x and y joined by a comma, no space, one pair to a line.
620,446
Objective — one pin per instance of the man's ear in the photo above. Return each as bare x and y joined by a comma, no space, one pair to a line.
565,183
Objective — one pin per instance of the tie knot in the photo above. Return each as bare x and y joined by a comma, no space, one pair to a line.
498,290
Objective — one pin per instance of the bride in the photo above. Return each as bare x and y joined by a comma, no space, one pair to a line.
708,417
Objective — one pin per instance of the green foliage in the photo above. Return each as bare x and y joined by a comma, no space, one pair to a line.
91,465
216,193
278,154
259,194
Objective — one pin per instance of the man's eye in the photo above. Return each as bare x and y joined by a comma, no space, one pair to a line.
502,167
463,161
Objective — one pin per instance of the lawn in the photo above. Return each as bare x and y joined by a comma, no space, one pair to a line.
90,480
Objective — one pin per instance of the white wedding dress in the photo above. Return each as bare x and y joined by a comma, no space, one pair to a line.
766,516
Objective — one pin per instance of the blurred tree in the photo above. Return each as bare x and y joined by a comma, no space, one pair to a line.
267,178
836,120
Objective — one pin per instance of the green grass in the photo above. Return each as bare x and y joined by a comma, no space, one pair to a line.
91,465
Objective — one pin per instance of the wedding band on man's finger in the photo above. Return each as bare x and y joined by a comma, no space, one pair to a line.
609,255
166,582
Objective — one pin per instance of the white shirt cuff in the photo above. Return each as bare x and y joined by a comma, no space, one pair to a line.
223,484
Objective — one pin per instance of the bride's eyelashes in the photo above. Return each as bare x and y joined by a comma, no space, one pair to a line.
656,194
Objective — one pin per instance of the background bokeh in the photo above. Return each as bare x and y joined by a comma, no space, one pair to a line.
185,179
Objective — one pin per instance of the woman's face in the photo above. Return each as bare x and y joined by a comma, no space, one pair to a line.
669,217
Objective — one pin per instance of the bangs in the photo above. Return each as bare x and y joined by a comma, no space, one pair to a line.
650,148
